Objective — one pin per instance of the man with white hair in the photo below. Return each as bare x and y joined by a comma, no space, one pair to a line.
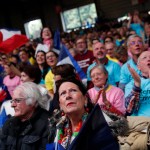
28,128
135,46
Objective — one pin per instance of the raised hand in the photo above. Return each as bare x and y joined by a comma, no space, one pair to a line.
136,77
97,97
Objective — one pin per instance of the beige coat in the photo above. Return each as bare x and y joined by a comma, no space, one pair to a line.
137,137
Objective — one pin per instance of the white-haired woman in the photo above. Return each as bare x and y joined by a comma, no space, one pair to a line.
110,98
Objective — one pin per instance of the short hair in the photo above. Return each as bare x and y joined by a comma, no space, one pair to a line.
22,49
64,70
78,38
101,67
30,92
33,72
110,37
131,37
53,53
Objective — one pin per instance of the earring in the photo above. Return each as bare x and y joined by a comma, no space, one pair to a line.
86,108
62,112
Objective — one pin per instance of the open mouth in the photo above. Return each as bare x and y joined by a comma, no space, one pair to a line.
148,65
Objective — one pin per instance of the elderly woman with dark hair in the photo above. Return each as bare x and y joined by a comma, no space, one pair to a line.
81,127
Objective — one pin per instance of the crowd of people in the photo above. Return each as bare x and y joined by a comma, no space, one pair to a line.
50,107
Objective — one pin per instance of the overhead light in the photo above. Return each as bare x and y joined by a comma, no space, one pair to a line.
149,12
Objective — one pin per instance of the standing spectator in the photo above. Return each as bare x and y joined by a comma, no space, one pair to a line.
136,24
147,32
47,38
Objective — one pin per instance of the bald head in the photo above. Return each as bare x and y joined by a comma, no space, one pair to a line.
144,63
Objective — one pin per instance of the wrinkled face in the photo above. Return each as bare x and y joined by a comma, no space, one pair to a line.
51,59
98,77
40,58
25,77
110,49
99,50
22,110
46,34
144,62
71,99
23,56
80,45
136,46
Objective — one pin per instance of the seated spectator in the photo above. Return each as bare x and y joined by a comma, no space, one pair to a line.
135,46
81,126
110,48
138,101
24,56
33,74
108,39
11,80
28,128
121,54
41,63
99,53
52,60
72,52
84,56
61,72
109,97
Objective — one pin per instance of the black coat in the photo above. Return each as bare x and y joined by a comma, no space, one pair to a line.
94,135
29,135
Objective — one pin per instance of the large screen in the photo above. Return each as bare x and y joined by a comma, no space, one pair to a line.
33,28
72,19
79,17
88,14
